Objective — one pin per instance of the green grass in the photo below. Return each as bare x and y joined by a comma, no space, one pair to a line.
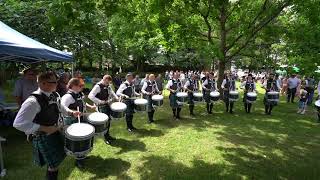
219,146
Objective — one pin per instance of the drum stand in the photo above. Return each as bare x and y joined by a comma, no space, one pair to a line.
2,169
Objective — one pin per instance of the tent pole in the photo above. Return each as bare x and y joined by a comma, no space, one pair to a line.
72,69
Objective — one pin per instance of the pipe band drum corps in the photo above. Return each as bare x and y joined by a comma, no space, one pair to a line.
79,139
182,97
251,97
233,95
214,96
157,100
99,122
118,110
140,105
273,96
197,97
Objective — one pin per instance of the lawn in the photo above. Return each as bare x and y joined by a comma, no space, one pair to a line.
219,146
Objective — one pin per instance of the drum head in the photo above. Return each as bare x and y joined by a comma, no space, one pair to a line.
182,94
157,97
317,103
79,131
98,118
233,92
118,106
273,93
214,94
252,94
140,102
197,94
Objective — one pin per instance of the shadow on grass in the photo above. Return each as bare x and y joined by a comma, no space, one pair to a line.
103,168
148,133
127,146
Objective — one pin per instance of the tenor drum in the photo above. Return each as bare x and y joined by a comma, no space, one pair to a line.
317,104
79,139
197,97
273,96
140,105
251,97
233,95
182,97
118,110
99,122
214,96
157,100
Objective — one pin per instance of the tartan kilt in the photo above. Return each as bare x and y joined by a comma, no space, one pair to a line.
190,100
105,109
48,149
173,101
207,97
130,106
267,103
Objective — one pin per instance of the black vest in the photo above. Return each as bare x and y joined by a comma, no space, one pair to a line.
150,86
192,85
104,92
78,98
175,84
272,85
249,86
230,85
49,113
129,91
211,84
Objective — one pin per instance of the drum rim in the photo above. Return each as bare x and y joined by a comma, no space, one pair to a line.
273,93
157,95
249,94
145,102
118,110
79,138
97,122
214,94
184,94
233,92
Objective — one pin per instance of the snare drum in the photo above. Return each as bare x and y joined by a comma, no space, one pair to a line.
233,95
99,122
79,139
118,110
140,105
317,104
273,96
197,97
157,100
251,97
214,96
182,97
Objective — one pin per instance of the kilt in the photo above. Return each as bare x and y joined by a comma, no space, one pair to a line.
207,97
267,103
226,96
150,105
130,107
173,101
48,149
190,100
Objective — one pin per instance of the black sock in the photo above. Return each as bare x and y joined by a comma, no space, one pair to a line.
266,107
318,117
191,107
129,121
208,108
249,107
227,106
52,175
174,111
270,109
178,112
211,106
246,107
231,106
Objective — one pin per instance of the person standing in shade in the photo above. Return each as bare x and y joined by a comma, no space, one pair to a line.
270,85
293,83
62,84
127,91
149,89
309,87
39,117
102,95
174,86
137,82
249,86
208,86
159,82
191,86
25,86
228,84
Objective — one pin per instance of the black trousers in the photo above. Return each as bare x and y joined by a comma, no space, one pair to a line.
290,94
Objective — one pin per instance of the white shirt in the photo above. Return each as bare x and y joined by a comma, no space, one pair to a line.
67,99
145,85
28,111
188,83
95,90
169,84
206,83
224,82
293,82
123,86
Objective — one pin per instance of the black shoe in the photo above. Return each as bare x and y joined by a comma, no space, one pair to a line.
231,112
107,141
191,114
79,164
151,121
130,129
209,112
133,128
111,138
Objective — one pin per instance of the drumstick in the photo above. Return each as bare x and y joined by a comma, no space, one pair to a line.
78,114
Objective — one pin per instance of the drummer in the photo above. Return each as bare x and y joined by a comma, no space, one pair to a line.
270,85
208,86
103,95
39,116
249,86
127,91
191,86
174,86
228,84
72,101
149,89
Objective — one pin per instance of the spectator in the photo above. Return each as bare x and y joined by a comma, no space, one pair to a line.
293,83
159,82
25,86
62,84
137,82
310,86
